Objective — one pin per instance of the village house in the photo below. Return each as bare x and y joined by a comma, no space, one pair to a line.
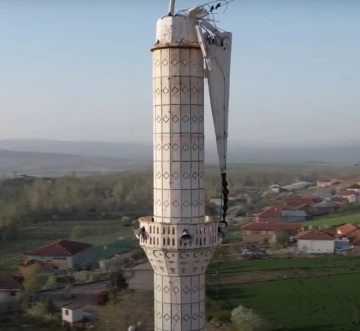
72,313
65,254
355,188
277,214
314,241
350,196
340,201
266,232
349,232
10,293
324,182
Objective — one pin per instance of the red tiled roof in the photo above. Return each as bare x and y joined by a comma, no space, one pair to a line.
338,199
61,247
72,305
354,186
345,229
348,193
354,237
270,213
314,235
269,226
9,282
325,180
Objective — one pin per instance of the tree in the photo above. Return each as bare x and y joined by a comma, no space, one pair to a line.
51,282
245,319
77,231
281,238
32,279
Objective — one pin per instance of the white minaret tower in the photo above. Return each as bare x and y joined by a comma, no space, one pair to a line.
179,239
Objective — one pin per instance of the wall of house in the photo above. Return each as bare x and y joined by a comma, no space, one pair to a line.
323,184
290,219
65,261
259,236
7,299
269,219
350,198
60,261
316,246
72,316
82,257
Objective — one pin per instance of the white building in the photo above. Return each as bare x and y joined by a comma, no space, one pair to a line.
315,242
350,196
72,313
10,293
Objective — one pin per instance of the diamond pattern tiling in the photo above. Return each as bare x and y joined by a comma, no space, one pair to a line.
174,61
175,90
185,175
165,62
166,289
185,90
176,203
184,62
186,317
186,147
175,175
185,119
186,290
176,290
166,317
186,203
175,119
175,147
165,90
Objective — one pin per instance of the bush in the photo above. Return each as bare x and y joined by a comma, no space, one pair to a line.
77,231
281,238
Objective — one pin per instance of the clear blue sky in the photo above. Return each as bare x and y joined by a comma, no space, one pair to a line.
81,69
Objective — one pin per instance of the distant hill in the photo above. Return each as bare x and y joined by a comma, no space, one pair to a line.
51,156
55,164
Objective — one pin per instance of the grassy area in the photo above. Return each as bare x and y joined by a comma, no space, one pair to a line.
17,322
331,221
329,303
96,232
283,264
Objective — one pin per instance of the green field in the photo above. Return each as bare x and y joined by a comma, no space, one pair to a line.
329,303
98,233
331,221
283,264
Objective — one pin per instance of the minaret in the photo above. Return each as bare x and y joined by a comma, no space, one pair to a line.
178,239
